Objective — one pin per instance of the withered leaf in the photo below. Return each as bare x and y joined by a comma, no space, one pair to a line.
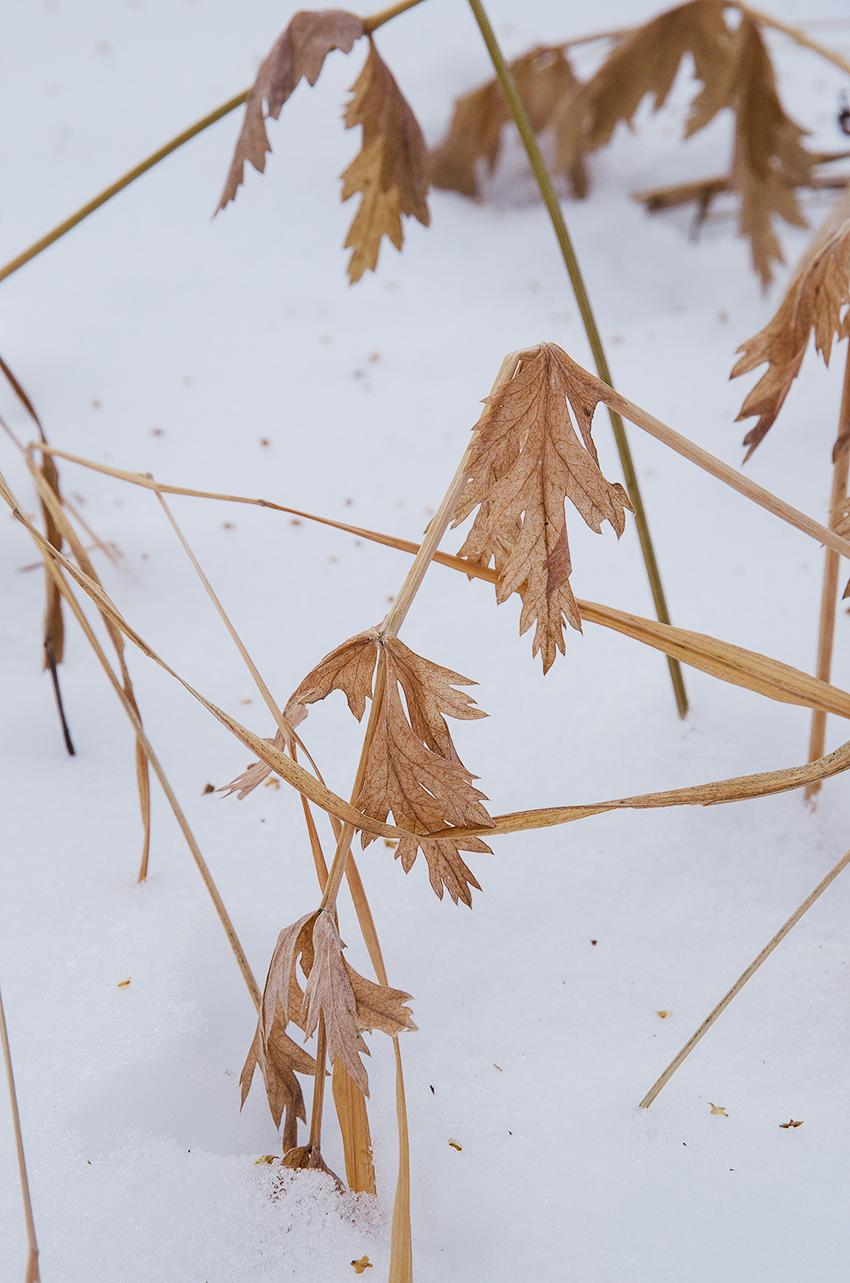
817,296
329,991
646,62
378,1006
253,775
390,170
348,668
278,1065
543,78
300,51
413,769
526,459
769,160
278,1057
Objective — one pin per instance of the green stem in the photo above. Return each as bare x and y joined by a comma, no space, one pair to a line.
553,207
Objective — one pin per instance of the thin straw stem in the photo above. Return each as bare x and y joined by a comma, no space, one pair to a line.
386,15
315,1141
553,207
826,633
32,1262
742,980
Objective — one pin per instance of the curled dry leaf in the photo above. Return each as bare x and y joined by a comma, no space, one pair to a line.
349,1003
391,168
526,459
543,78
412,769
815,301
300,51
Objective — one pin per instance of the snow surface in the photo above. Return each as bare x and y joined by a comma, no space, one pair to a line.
157,339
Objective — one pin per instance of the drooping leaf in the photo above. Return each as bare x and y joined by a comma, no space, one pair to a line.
278,1063
646,62
329,991
526,460
300,51
543,78
769,160
390,170
815,301
413,769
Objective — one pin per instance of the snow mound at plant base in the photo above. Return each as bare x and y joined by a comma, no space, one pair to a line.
153,1210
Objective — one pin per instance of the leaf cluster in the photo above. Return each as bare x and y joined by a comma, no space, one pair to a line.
734,71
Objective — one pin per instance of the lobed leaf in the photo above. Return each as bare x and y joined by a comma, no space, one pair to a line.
300,51
390,170
526,460
817,296
413,770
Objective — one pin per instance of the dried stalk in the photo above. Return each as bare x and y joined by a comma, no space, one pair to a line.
742,980
553,207
722,660
826,635
32,1275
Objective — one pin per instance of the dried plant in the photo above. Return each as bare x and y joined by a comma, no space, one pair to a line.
529,452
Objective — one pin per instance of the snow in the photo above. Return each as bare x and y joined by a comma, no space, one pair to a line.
155,339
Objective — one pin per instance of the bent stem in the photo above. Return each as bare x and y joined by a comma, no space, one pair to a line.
32,1260
742,980
553,208
826,635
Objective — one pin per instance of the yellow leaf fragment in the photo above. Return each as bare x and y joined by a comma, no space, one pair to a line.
664,1015
792,1123
124,984
300,51
718,1109
390,170
455,1144
526,460
264,1158
816,301
363,1264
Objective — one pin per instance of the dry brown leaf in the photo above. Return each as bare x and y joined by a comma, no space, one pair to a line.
277,1056
413,769
282,1059
253,775
349,668
817,296
769,160
646,62
543,78
300,51
378,1006
391,168
329,991
526,460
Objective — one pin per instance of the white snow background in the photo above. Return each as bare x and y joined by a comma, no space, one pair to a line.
160,340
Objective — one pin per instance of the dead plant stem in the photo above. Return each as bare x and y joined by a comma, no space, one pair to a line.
386,15
32,1262
742,980
826,633
553,206
315,1141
